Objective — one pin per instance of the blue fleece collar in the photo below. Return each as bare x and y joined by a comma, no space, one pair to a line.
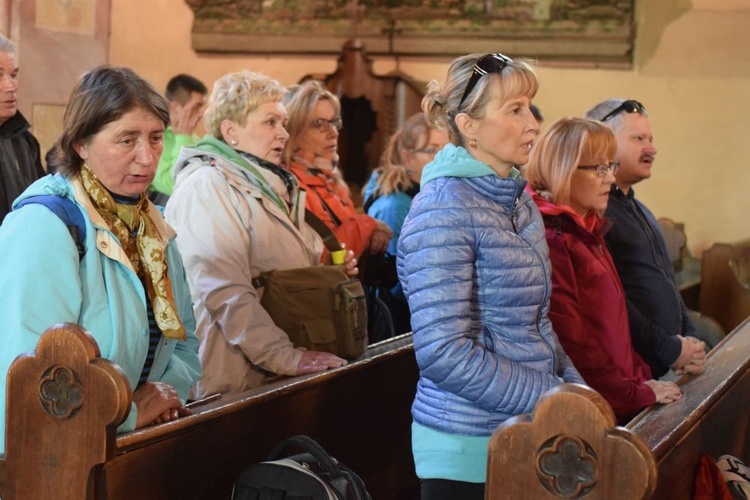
455,161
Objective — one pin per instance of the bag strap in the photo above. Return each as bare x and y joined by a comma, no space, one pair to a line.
67,212
313,448
327,208
329,238
370,200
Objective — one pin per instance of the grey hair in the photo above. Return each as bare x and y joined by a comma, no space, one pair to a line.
236,95
7,45
604,108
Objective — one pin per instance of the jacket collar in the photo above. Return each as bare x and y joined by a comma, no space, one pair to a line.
455,161
13,126
564,222
619,193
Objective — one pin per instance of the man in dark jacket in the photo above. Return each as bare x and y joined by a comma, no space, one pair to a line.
659,323
20,162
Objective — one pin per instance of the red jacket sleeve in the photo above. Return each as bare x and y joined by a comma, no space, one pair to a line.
584,344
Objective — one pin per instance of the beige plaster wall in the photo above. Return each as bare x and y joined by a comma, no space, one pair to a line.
692,72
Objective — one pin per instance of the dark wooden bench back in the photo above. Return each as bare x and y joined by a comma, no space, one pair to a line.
359,413
65,402
569,447
725,283
713,417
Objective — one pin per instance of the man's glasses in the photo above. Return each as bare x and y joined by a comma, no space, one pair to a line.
325,125
488,63
629,106
603,169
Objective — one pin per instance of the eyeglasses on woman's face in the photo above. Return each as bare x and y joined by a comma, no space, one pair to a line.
629,106
430,151
324,125
488,63
602,169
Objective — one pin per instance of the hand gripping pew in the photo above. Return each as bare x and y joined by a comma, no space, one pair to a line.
65,403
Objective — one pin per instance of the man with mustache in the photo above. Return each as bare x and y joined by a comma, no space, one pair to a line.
20,162
660,327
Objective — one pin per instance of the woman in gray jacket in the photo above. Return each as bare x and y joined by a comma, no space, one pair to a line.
474,266
239,214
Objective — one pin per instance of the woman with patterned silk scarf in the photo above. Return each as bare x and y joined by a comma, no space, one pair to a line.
238,214
128,289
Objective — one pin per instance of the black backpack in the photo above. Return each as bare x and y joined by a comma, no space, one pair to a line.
311,475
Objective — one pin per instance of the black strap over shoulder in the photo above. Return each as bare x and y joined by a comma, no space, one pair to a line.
370,200
330,240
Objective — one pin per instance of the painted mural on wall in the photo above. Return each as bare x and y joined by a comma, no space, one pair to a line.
583,31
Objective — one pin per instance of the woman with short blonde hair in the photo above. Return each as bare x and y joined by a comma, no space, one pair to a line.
239,214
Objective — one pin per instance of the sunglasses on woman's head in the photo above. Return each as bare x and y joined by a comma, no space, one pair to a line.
629,106
488,63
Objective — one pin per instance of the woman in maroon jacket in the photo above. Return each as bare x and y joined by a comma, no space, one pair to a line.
571,172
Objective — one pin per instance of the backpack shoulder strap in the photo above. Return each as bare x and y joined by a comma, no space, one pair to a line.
66,211
370,200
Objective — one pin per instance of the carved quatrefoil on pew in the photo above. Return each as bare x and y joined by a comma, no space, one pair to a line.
567,466
60,392
569,446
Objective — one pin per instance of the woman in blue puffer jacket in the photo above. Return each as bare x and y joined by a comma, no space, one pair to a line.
474,266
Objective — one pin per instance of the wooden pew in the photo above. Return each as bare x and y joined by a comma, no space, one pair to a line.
360,413
713,417
569,447
725,283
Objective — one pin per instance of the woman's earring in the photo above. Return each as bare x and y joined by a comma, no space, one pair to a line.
409,172
233,142
473,144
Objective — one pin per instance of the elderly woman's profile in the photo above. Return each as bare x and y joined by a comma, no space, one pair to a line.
238,214
128,286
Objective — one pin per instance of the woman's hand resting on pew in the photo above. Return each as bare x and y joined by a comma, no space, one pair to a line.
317,361
157,403
666,392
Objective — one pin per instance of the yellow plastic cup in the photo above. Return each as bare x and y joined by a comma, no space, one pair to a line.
337,257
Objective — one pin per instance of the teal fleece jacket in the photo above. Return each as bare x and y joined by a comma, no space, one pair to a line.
42,283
